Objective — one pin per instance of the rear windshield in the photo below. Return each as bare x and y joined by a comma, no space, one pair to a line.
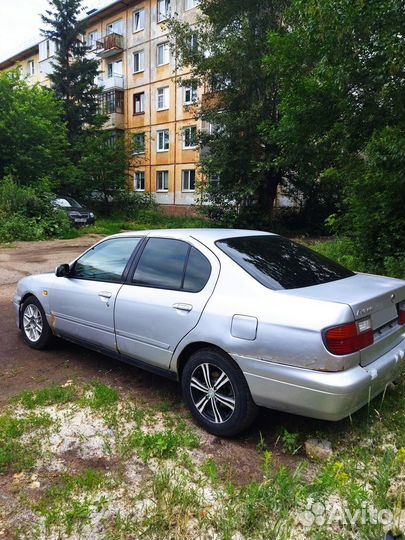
278,263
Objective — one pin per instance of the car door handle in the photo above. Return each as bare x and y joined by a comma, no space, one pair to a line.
183,307
105,295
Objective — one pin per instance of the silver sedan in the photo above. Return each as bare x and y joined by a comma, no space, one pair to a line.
242,319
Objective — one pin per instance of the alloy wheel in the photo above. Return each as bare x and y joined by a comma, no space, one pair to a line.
212,393
32,323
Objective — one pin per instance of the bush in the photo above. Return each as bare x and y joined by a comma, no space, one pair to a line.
26,213
129,203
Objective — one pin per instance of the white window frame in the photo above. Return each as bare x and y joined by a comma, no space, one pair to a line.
162,176
190,4
163,51
185,146
192,91
91,39
141,20
193,42
142,152
162,92
141,101
31,68
162,15
141,61
137,178
162,140
186,173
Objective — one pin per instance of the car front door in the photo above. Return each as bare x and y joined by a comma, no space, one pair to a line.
82,304
163,299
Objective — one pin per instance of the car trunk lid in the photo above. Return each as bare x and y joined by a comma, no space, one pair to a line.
368,296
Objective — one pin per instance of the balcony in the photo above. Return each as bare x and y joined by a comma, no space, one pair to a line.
109,45
112,104
115,82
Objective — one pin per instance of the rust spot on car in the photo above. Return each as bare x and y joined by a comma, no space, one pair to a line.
53,320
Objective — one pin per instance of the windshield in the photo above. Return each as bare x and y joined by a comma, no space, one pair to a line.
67,202
278,263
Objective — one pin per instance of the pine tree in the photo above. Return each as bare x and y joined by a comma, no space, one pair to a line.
74,73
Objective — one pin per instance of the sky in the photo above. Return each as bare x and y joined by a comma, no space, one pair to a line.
20,23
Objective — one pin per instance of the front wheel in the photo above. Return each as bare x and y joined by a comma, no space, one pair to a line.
35,328
217,393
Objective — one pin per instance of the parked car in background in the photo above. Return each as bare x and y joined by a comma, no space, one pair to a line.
79,214
241,318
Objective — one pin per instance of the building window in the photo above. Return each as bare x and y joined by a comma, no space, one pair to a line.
162,181
112,102
114,69
188,180
194,42
163,140
31,67
162,98
139,181
139,20
190,137
139,143
163,9
163,54
189,4
190,94
139,103
91,40
139,61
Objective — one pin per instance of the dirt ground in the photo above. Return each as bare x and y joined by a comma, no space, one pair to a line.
22,368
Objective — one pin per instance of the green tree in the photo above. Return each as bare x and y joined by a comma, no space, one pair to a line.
105,163
224,52
74,73
342,126
33,137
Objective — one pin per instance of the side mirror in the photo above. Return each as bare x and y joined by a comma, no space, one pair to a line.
62,270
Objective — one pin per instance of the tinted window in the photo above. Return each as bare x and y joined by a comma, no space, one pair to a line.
106,261
162,264
279,263
197,272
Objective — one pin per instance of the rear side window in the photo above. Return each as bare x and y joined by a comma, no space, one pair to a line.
106,261
172,264
278,263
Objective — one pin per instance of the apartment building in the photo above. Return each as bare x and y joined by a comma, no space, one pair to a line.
141,91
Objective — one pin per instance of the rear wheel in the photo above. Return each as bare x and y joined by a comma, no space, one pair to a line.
217,393
35,328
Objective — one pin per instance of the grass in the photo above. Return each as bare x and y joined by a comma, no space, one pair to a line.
178,492
145,219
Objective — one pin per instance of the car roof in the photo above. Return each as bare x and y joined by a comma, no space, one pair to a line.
208,236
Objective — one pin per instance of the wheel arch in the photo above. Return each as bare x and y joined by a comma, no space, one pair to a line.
27,295
192,348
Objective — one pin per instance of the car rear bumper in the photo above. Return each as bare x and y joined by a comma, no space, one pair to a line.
324,395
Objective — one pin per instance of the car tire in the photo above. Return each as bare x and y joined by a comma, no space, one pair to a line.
217,393
36,331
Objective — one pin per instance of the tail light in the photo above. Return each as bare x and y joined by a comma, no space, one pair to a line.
401,313
349,338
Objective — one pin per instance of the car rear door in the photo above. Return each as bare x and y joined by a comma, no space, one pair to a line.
82,305
163,298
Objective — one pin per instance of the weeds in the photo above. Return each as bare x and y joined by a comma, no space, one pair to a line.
47,396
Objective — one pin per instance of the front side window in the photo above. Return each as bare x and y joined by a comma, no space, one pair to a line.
139,181
172,264
163,9
163,54
278,263
162,98
190,137
139,20
188,180
139,103
139,143
162,180
139,61
106,261
163,140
